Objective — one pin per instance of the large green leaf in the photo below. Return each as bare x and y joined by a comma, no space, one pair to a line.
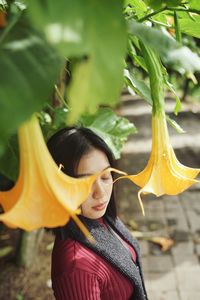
99,78
138,86
113,129
191,26
29,68
96,31
167,47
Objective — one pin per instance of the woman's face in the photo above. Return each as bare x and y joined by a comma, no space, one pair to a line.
95,205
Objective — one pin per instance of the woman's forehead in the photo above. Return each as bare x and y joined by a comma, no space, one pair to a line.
92,162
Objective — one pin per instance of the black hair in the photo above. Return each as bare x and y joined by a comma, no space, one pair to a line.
67,147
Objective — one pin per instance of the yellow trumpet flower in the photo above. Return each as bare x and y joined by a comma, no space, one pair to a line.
43,195
164,174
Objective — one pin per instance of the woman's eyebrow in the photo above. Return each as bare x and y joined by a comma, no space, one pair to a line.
89,174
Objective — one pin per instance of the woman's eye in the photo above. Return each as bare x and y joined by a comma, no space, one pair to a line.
106,178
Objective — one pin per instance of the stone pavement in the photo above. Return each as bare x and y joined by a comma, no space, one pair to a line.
174,274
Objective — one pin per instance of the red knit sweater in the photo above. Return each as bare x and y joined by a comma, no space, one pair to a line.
78,273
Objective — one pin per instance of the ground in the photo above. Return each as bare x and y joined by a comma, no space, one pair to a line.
19,283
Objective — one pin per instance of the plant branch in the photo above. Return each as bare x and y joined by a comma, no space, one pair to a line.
152,14
162,24
192,10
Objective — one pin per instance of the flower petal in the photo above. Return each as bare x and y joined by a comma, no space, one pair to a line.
43,195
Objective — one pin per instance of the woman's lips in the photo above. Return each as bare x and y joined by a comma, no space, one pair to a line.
100,206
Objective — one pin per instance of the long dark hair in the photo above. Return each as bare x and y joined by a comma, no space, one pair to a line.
67,147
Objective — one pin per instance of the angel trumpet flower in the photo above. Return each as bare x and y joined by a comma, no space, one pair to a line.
43,195
164,174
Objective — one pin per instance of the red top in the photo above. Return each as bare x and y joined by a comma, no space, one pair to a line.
78,273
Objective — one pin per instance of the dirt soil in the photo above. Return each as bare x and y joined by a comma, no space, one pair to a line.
25,284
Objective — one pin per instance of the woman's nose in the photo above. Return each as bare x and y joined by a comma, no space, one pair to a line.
98,190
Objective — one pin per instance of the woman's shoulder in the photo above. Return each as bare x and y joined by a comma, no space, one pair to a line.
70,255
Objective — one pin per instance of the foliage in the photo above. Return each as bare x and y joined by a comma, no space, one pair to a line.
26,59
37,37
97,76
113,129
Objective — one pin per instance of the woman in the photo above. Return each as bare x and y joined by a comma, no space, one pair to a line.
110,268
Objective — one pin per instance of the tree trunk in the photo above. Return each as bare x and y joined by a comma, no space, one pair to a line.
28,247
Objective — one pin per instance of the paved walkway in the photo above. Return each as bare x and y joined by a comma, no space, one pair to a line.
174,274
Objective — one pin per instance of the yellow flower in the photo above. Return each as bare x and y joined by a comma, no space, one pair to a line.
164,174
43,195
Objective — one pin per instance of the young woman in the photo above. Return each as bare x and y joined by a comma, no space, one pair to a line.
110,268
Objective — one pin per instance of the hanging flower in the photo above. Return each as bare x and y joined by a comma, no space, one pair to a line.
164,174
43,195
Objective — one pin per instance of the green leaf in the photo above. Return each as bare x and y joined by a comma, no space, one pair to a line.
5,251
175,125
177,107
77,29
173,3
137,59
54,121
155,4
194,4
29,68
3,4
138,86
139,7
166,46
161,18
9,161
190,27
113,129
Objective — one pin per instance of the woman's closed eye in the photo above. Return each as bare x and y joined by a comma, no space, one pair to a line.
106,177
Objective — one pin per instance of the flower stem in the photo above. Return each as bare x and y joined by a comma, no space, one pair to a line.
154,67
